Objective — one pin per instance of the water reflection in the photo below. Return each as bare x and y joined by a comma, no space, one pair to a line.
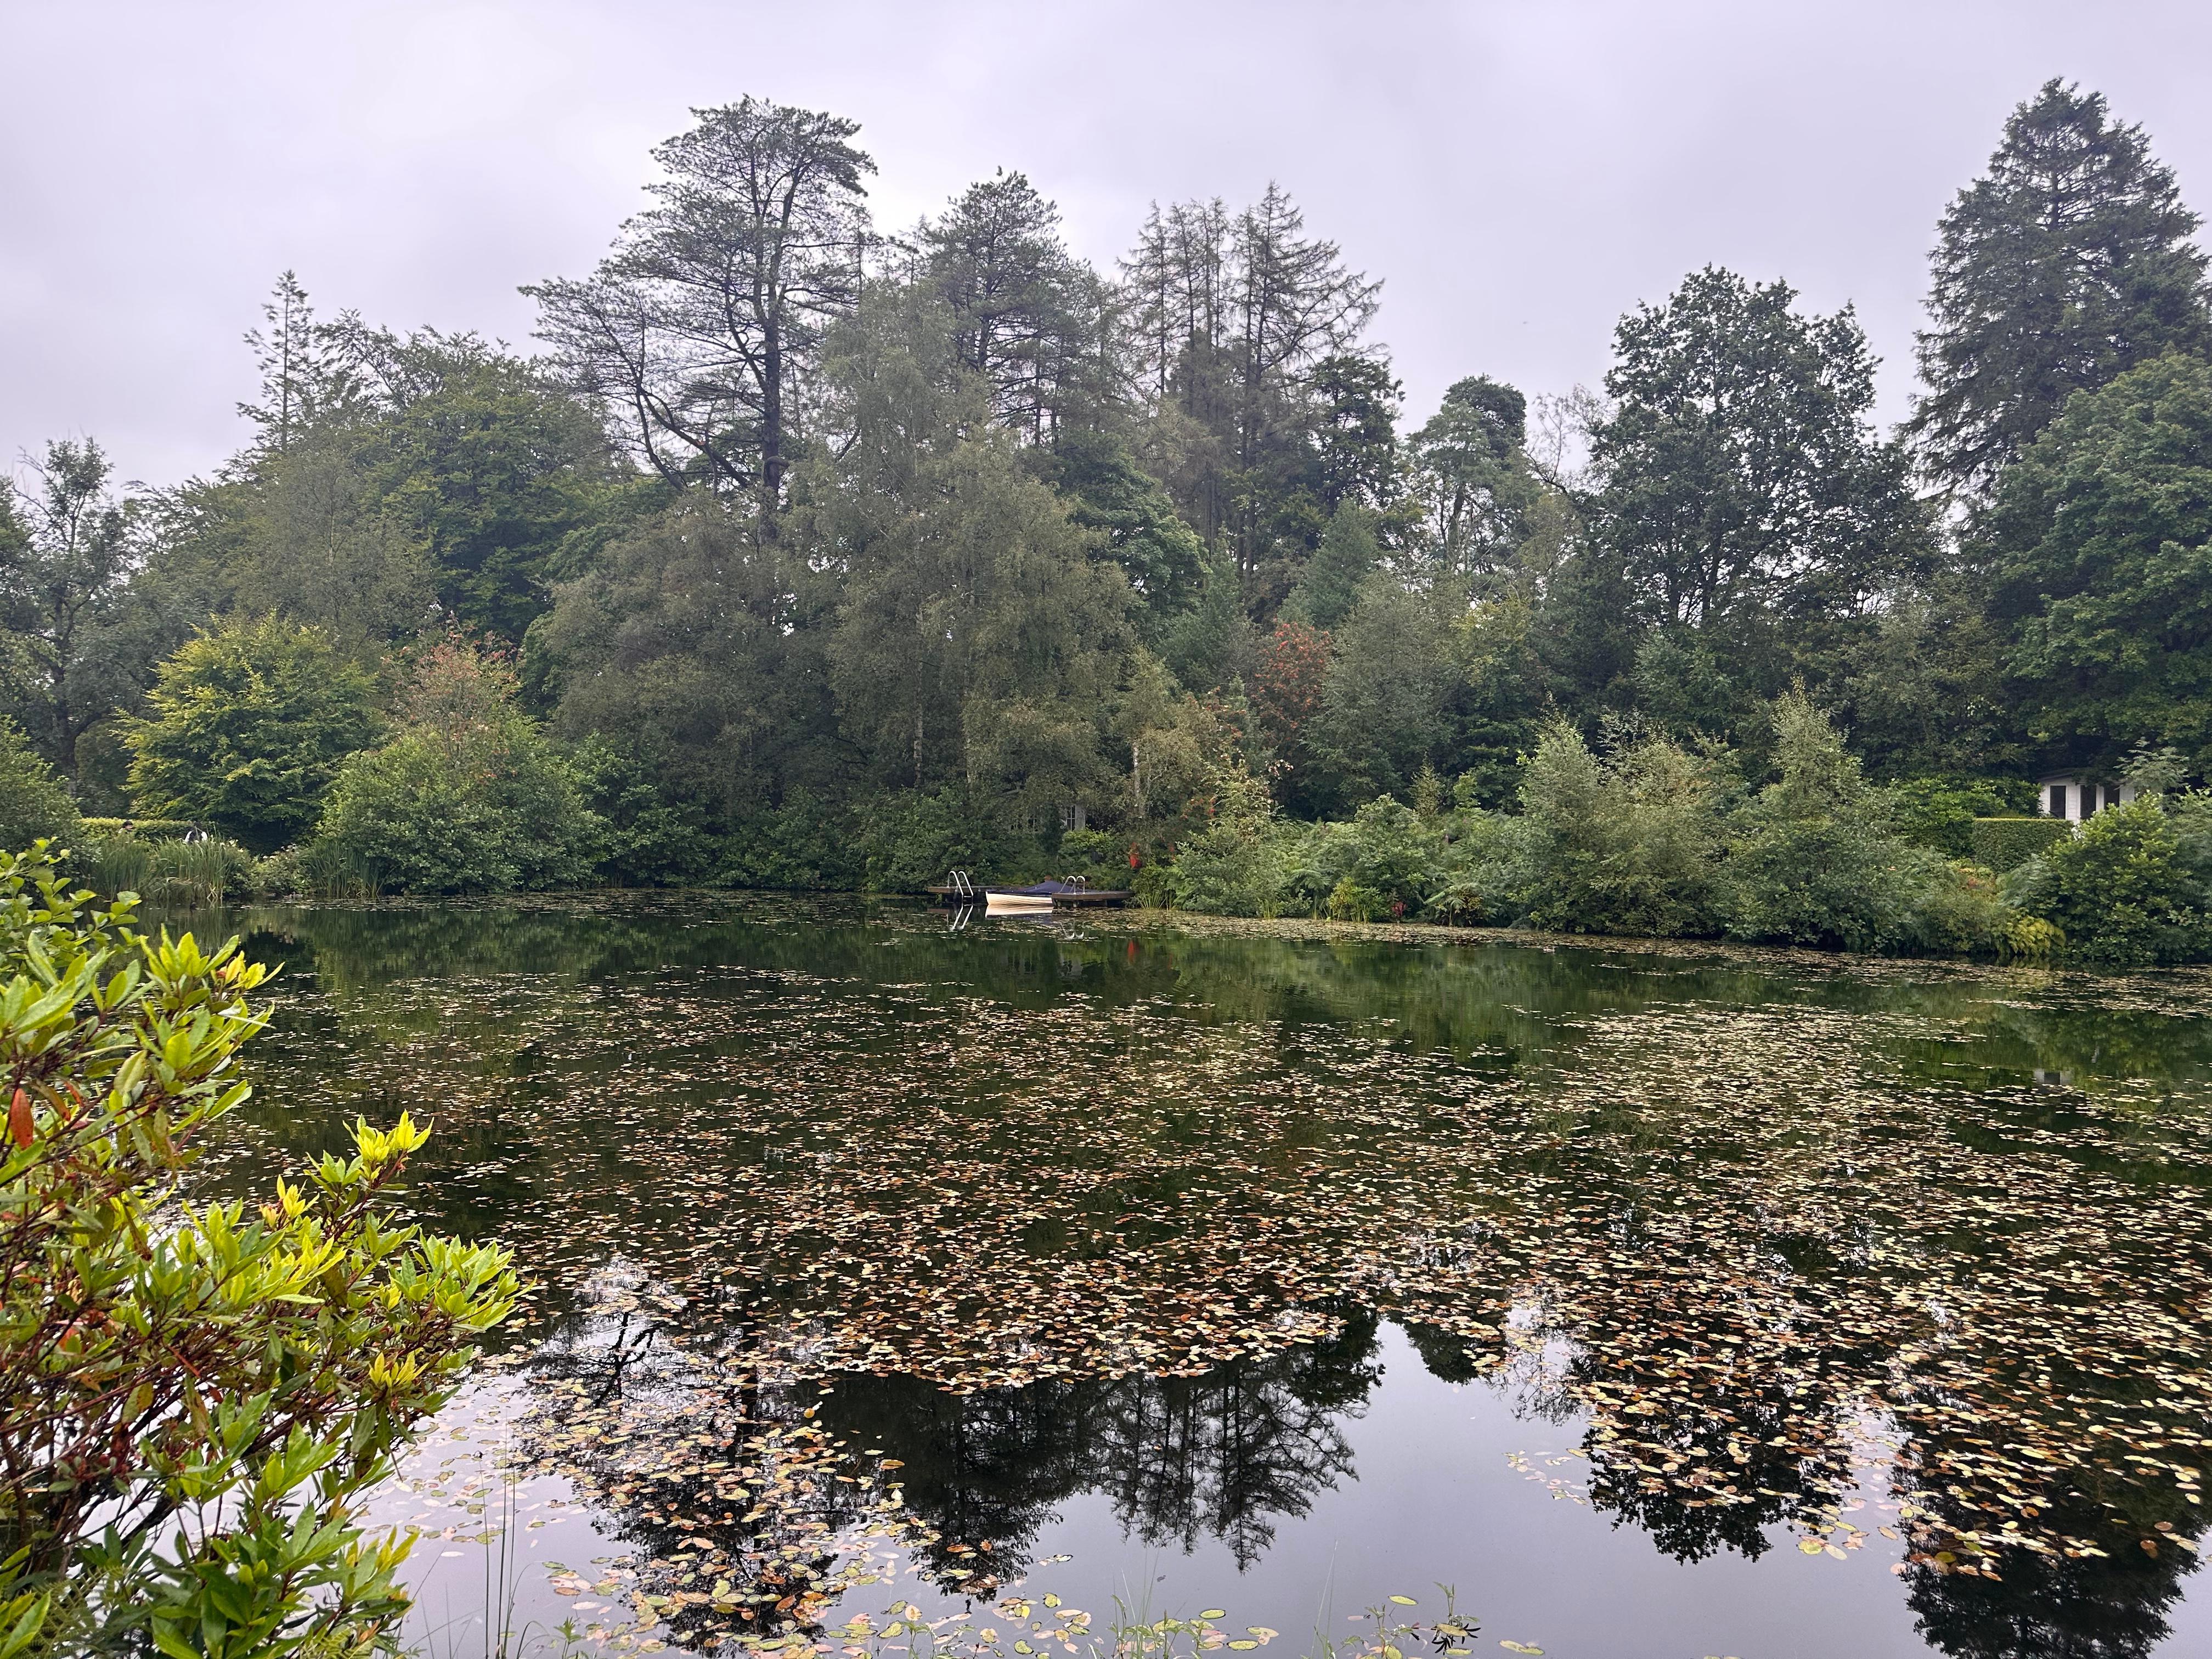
1726,1217
1229,1455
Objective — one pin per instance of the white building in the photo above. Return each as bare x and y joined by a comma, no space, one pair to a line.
2071,796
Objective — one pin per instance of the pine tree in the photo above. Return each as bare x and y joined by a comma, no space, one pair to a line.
1471,478
2069,263
700,330
1027,314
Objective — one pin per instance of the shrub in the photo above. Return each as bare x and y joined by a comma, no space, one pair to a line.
469,797
2123,892
1815,860
1234,867
1628,842
279,876
1939,813
1386,848
649,840
1095,854
909,841
1487,868
1836,882
33,805
2002,844
250,724
196,1396
804,844
2032,939
1960,909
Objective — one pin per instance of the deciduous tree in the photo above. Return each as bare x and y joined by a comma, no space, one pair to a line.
249,723
1744,491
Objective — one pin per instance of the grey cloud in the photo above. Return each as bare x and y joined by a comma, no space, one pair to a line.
1520,174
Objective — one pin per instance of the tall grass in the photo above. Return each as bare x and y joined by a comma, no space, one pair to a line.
190,874
117,864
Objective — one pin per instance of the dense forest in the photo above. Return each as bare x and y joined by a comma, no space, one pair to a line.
804,552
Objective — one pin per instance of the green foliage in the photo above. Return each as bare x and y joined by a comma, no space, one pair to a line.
1028,317
977,641
196,1396
1814,859
1234,865
1385,860
910,840
2096,545
696,649
1628,842
249,723
496,471
651,836
467,797
698,327
1244,335
175,873
2070,262
2032,939
66,553
144,830
2124,891
804,843
1745,492
1390,697
1939,813
1339,569
33,805
1032,539
1109,493
1210,645
2005,843
1473,481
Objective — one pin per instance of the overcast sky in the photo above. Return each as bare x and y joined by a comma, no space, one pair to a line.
1518,172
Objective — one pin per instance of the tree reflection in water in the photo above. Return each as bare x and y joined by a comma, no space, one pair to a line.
1184,1458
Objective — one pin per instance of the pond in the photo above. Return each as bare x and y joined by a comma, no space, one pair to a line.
1659,1300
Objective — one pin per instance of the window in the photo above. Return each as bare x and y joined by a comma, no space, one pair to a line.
2058,800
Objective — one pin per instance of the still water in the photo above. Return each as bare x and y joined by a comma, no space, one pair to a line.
1659,1300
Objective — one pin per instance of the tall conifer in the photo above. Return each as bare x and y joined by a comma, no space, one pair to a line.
2066,265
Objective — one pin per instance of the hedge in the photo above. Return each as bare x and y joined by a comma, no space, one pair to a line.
144,828
2002,844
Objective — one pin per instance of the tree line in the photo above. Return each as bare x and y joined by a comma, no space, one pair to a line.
806,552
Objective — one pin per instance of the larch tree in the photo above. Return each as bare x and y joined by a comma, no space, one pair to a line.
1229,321
2067,264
